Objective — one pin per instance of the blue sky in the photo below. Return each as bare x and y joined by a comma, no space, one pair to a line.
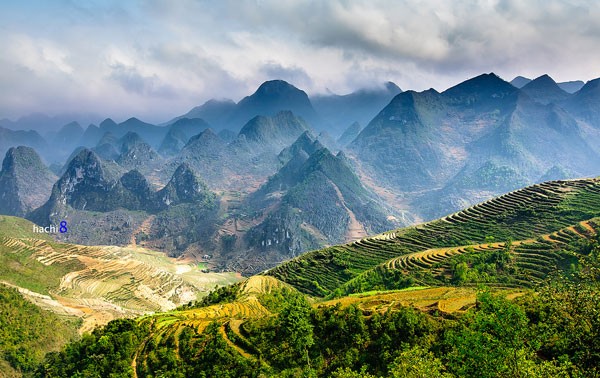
157,59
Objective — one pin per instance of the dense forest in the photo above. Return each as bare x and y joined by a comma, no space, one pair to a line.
22,326
552,332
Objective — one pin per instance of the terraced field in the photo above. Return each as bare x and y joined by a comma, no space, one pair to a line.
441,299
533,259
229,315
551,210
168,327
100,283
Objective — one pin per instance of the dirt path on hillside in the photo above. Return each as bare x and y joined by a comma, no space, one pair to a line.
144,227
588,227
355,229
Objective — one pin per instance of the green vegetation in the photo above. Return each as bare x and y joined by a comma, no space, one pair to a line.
106,352
553,333
22,326
19,268
522,215
536,251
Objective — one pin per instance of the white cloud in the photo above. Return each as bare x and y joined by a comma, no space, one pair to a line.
157,59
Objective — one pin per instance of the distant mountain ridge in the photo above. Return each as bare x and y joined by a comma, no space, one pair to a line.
424,153
545,90
340,111
567,86
486,122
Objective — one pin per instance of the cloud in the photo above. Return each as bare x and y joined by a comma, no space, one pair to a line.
156,59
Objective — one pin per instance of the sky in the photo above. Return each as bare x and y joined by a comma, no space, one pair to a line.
157,59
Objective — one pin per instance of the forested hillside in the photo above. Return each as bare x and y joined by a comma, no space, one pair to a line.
506,288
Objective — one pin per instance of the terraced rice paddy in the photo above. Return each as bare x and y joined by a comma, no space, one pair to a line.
229,315
106,280
167,327
534,258
442,299
553,210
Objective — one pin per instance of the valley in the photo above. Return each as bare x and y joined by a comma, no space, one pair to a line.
281,173
100,283
236,245
502,261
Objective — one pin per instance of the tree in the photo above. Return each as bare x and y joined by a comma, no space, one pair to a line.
295,329
490,341
417,363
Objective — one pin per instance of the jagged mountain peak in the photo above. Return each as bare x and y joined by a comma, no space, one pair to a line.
131,121
136,183
136,153
277,88
129,140
21,156
206,136
276,95
86,162
584,103
545,78
544,90
592,86
485,85
184,186
271,98
86,184
179,134
306,143
319,157
281,127
544,82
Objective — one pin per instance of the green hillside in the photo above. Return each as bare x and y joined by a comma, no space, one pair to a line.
551,212
507,288
262,328
22,326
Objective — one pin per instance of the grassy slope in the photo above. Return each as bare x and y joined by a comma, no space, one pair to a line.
22,326
520,215
543,222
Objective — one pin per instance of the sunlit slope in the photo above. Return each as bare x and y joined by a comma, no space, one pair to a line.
260,297
97,281
550,212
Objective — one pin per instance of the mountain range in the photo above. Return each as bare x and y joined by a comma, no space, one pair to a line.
518,265
281,172
385,233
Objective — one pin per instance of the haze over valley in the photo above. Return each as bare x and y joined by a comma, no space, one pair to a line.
254,183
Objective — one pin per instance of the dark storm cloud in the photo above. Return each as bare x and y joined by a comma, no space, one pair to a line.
159,58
